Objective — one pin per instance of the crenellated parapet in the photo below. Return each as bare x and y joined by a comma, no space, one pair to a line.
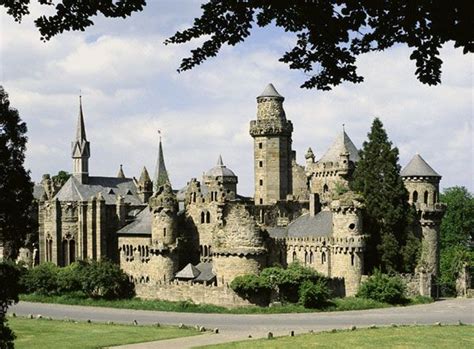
271,127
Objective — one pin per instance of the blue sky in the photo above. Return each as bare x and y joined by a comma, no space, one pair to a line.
130,89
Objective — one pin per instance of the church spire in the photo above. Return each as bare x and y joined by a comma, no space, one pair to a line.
161,175
81,149
120,173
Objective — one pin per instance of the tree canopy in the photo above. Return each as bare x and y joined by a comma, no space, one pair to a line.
330,34
16,188
377,178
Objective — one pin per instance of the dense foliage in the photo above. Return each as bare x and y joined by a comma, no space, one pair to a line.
329,35
102,279
387,213
456,233
295,284
61,178
383,288
16,188
9,291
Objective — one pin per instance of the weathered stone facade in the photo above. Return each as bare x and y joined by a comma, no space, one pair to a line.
191,243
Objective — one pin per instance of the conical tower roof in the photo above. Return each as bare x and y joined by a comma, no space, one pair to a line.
342,144
418,167
161,174
144,176
270,91
120,173
80,128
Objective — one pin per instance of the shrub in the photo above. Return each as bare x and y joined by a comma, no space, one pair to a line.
383,288
313,294
105,279
42,279
70,277
249,286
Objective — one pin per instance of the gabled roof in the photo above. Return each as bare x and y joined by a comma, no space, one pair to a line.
418,167
270,91
341,144
188,272
108,187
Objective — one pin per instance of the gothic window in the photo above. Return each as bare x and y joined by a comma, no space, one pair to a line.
203,217
49,249
325,188
311,258
65,253
294,256
306,257
208,217
415,197
72,251
425,199
323,257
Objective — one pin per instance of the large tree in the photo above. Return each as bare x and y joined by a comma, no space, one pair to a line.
456,236
15,184
330,34
377,177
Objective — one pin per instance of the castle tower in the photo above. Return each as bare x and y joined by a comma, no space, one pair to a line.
81,150
272,148
222,174
161,174
347,259
422,184
164,207
144,186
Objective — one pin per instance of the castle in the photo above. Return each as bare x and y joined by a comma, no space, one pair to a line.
206,234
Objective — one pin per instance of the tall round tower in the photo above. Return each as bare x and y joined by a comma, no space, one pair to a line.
272,148
164,207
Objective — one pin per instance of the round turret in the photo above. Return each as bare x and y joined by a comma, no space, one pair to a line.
164,207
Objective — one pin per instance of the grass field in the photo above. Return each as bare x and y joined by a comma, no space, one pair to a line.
419,337
54,334
337,304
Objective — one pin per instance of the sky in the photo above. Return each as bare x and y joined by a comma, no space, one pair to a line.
130,88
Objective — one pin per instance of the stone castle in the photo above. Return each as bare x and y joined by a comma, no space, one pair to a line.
192,242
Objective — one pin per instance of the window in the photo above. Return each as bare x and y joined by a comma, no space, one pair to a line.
435,197
203,217
294,256
261,182
72,251
323,257
65,253
311,258
260,145
415,197
260,164
325,188
261,201
164,231
208,217
306,257
425,199
352,258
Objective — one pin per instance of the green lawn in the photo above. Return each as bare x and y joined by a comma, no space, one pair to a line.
337,304
428,337
51,334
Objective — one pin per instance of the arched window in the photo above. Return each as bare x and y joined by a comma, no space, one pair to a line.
352,258
323,257
203,217
205,251
325,188
208,217
194,197
72,251
294,256
425,198
201,250
415,197
311,258
306,257
65,253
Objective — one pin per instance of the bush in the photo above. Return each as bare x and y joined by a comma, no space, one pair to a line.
42,279
70,277
249,286
106,279
383,288
313,294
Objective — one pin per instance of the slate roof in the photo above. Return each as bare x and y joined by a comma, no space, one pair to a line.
161,174
188,272
270,91
418,167
306,225
220,170
206,272
140,226
109,187
341,144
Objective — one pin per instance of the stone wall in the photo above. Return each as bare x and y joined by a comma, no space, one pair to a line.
228,267
197,293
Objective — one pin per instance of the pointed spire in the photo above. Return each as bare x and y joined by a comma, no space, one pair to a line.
161,175
81,128
341,145
144,176
120,173
220,162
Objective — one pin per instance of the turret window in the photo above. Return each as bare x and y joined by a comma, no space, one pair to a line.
164,231
203,217
260,164
415,197
425,199
261,182
260,145
208,217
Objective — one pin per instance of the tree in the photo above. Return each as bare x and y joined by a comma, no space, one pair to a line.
61,178
456,233
16,188
330,34
377,178
10,280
